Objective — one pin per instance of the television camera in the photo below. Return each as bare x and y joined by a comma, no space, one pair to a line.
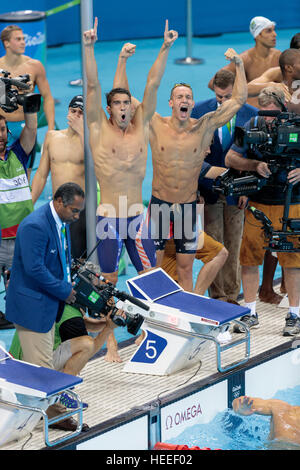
96,293
10,98
277,144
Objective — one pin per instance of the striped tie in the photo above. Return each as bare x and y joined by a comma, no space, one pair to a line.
64,252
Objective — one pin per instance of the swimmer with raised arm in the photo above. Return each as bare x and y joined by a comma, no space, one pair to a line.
285,418
179,144
119,147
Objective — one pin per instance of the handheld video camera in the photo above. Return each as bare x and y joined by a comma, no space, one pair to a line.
232,183
97,298
10,98
281,137
277,144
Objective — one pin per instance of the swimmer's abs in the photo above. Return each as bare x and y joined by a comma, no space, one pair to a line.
175,189
121,208
181,196
126,202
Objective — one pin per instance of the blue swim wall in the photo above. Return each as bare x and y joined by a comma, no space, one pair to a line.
141,19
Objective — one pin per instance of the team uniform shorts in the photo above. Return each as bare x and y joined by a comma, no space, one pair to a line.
133,232
173,220
209,251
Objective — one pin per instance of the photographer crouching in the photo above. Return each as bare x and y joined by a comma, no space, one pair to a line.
270,201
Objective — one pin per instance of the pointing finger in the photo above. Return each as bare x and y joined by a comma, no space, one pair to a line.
96,24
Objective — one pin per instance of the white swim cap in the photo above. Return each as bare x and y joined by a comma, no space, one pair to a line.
258,23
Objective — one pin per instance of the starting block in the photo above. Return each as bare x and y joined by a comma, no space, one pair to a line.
26,391
179,326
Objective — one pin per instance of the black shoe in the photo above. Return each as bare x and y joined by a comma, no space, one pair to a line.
292,325
69,424
250,320
5,324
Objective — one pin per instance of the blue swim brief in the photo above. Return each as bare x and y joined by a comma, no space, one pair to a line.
131,232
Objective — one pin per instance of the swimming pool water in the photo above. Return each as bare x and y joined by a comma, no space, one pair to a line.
230,431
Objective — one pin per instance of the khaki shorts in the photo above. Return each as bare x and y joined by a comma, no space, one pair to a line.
205,254
61,355
252,250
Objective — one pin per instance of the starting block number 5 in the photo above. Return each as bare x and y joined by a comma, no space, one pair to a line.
150,349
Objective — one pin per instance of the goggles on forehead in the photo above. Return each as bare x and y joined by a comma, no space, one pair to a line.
181,84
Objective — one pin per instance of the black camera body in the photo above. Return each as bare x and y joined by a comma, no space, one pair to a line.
10,99
233,183
279,146
98,298
281,138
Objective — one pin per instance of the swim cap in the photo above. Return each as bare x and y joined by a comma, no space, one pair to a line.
258,23
77,102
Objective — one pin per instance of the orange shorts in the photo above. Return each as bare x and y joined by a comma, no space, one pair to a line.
252,250
209,250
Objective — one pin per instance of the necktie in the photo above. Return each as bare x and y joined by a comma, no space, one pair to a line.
64,251
227,132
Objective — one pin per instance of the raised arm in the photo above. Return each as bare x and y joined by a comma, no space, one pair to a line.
93,99
272,77
28,134
239,95
245,58
247,406
120,79
156,73
41,175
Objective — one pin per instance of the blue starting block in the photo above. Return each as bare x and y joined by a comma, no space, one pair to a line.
26,391
179,326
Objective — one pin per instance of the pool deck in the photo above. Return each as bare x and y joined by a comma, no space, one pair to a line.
113,394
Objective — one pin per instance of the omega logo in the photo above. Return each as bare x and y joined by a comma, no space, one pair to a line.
183,416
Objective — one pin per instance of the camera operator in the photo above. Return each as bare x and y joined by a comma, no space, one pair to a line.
15,195
270,200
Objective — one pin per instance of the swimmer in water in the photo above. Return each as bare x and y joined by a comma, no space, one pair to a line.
285,418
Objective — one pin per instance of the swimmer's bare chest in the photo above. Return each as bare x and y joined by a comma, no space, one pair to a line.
63,150
255,66
177,151
177,161
120,155
26,67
